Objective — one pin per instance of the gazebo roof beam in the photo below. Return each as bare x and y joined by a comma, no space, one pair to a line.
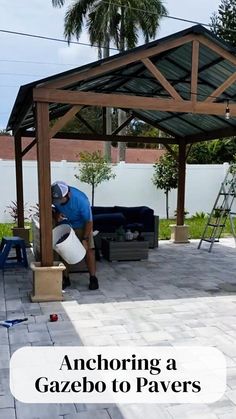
129,102
212,135
103,137
220,89
161,79
61,122
115,63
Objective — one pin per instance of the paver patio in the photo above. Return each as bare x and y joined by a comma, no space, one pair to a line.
179,296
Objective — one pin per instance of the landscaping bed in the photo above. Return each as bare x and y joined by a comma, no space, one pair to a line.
196,226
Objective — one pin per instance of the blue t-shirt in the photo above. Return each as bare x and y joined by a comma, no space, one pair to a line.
77,210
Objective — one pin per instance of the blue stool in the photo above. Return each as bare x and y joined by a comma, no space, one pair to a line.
21,257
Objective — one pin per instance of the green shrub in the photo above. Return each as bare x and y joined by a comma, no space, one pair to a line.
196,227
198,215
5,229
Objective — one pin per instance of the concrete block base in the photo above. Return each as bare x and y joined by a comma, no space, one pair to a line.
47,282
22,232
179,234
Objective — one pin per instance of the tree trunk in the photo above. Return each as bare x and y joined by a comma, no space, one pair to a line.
121,114
107,144
106,49
121,145
93,195
122,30
167,205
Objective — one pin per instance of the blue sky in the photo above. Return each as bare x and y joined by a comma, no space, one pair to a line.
24,59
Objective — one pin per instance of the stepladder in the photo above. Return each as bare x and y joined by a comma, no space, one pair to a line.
221,211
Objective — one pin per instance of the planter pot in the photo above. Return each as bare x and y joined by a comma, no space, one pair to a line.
23,233
179,234
47,282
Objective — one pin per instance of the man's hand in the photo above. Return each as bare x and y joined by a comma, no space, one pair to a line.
58,217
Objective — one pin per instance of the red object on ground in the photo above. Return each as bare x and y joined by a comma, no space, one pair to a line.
53,317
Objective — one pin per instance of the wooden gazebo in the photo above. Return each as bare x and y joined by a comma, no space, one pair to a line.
180,84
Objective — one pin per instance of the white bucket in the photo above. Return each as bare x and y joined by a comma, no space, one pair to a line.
70,249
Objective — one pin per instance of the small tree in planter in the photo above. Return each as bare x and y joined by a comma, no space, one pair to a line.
166,176
94,169
13,211
22,232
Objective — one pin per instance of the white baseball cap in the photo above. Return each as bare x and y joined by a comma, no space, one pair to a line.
59,190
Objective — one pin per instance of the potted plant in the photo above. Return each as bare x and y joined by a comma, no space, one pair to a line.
23,232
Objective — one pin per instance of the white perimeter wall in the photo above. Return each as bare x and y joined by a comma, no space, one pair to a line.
132,186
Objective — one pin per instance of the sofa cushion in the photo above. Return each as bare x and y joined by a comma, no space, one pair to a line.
147,218
108,222
102,210
142,215
131,213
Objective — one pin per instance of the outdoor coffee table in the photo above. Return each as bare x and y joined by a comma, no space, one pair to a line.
124,250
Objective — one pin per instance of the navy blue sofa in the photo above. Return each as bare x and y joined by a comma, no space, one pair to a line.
108,219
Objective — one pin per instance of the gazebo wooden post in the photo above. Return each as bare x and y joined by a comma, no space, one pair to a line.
47,281
181,183
179,232
20,230
44,183
19,180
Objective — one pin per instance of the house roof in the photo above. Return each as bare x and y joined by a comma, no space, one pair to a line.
185,86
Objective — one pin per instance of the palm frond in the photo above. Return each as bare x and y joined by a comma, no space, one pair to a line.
102,24
58,3
119,20
75,17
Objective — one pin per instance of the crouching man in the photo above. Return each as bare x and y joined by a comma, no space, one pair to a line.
72,204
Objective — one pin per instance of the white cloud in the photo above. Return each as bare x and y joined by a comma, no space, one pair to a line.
76,55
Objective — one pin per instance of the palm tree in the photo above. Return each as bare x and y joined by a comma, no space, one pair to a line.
119,21
116,20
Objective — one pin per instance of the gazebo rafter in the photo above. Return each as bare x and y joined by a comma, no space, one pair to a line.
130,102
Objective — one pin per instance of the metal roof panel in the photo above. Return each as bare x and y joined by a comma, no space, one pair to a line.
135,79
